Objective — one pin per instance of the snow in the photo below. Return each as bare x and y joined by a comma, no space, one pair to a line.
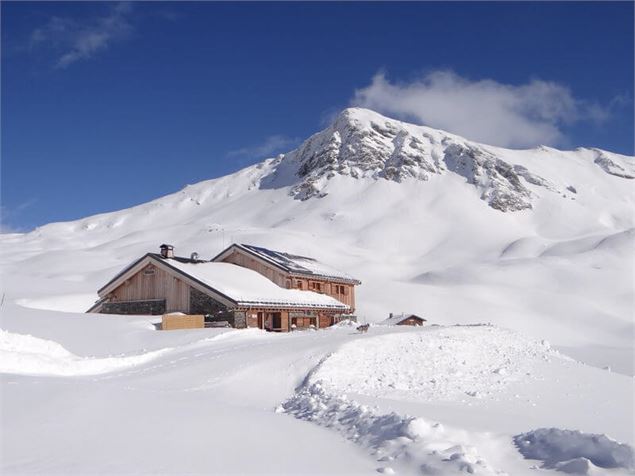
574,451
437,364
28,355
298,264
78,389
355,390
405,443
249,288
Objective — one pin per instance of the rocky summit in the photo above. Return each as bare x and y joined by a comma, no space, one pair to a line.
362,143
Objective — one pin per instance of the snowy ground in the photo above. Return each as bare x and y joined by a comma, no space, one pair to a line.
432,400
110,394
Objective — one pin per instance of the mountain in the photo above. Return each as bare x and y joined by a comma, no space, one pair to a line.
362,143
538,240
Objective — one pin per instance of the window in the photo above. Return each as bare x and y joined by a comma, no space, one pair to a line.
316,286
340,289
148,271
299,285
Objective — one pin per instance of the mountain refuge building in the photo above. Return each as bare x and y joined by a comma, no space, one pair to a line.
244,285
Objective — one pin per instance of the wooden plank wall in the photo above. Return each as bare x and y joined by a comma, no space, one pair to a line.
158,285
176,321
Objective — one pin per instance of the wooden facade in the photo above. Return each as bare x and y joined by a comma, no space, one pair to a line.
342,290
285,320
411,321
151,283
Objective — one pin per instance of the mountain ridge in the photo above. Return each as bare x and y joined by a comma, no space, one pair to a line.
363,143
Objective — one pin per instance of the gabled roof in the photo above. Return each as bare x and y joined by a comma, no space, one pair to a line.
394,320
241,287
292,264
136,262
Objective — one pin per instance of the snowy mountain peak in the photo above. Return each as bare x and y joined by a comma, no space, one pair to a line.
361,143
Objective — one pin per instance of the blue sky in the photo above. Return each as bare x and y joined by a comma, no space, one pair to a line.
107,105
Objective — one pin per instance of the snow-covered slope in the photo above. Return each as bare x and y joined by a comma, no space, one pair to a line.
538,240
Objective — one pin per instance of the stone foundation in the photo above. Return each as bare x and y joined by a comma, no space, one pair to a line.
154,307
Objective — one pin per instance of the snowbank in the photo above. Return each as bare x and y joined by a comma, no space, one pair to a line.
400,443
573,451
434,364
28,355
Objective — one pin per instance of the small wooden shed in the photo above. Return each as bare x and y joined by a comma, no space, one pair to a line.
404,320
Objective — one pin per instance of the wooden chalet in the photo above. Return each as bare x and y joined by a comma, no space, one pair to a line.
404,320
244,293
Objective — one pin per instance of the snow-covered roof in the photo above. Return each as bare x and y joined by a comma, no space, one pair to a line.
296,264
396,319
249,288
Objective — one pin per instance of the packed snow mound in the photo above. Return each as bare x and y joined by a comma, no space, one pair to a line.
575,452
401,444
362,143
434,364
27,355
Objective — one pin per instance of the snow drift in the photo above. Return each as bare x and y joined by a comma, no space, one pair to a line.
28,355
572,451
398,442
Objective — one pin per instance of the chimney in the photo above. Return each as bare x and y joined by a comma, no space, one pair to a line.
167,251
194,256
390,316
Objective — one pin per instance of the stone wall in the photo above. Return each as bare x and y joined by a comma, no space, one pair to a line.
201,303
151,307
240,320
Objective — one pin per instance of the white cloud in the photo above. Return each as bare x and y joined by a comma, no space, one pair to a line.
483,110
74,41
268,148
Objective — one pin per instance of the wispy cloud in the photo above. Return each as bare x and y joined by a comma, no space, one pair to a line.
74,40
9,214
271,146
483,110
